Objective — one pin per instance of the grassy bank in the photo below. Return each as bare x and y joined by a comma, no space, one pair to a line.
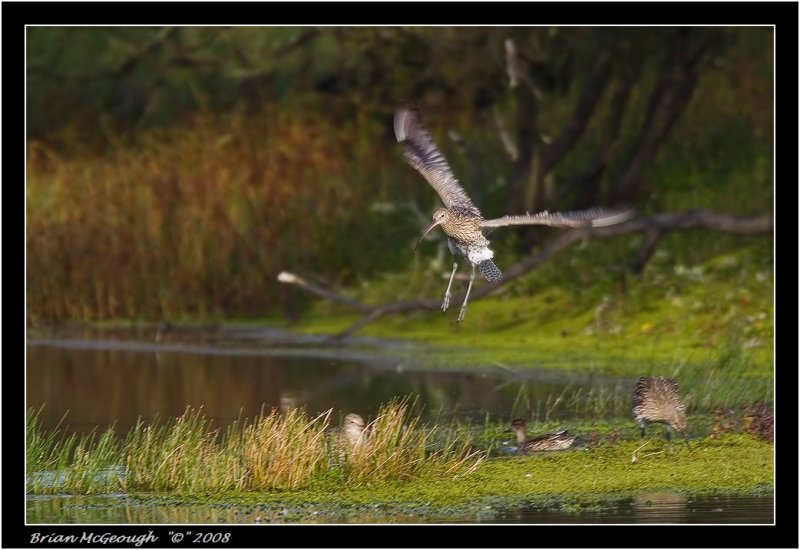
570,482
273,452
710,326
409,466
731,464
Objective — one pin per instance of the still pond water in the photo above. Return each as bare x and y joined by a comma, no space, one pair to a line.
90,380
662,507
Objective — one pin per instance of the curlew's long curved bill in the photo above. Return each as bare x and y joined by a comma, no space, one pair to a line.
428,230
423,155
595,217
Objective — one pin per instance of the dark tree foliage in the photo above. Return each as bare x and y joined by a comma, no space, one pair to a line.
291,120
138,77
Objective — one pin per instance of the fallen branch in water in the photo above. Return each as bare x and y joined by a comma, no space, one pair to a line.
654,225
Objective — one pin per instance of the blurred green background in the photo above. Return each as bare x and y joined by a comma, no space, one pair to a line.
172,173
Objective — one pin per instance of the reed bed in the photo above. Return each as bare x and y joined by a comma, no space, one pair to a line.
396,447
81,464
283,451
277,450
192,220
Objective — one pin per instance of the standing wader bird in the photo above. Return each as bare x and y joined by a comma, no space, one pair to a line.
656,399
461,220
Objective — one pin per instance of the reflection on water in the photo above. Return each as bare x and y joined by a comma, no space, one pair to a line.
660,507
99,383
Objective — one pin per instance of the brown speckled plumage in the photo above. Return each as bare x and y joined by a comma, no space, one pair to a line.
460,219
657,399
354,429
556,441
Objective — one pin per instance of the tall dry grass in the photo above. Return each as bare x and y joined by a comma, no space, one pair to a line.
194,220
284,452
275,451
396,447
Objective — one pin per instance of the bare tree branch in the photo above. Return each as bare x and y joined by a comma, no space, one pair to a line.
130,63
651,239
654,226
679,75
292,279
120,71
471,153
587,180
265,73
526,176
505,137
592,91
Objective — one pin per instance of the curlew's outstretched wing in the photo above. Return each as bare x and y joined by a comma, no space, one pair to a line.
594,217
423,155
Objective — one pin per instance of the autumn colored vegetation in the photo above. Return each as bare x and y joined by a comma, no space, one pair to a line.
173,173
274,451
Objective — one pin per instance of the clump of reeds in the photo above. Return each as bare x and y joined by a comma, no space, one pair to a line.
181,454
396,447
56,462
277,450
284,451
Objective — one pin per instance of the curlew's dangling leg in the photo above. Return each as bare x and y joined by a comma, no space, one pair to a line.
466,296
446,301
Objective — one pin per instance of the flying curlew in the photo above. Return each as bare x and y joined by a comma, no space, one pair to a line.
460,219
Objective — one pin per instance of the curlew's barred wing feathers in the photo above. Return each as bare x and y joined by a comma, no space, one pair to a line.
657,389
595,217
423,155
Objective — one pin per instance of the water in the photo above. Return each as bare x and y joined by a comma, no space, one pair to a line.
97,383
91,381
662,507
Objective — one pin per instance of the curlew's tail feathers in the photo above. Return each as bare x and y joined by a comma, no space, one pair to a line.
490,271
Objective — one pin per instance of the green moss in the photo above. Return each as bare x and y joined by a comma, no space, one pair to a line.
734,464
702,321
